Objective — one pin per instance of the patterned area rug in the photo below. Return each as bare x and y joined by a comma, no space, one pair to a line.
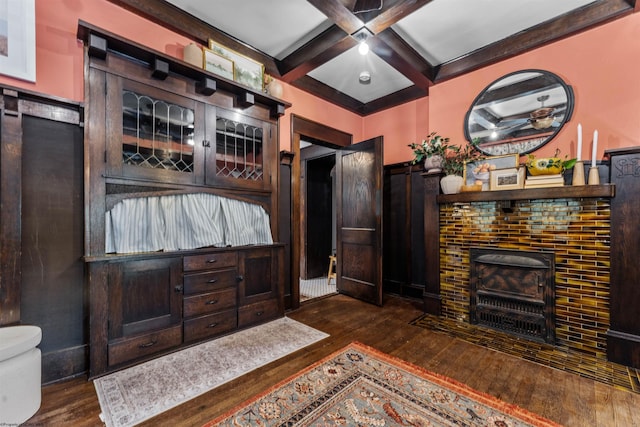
360,386
133,395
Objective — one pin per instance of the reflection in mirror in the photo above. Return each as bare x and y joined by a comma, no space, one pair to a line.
519,112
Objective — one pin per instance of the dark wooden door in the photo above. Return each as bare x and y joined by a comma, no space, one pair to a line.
359,222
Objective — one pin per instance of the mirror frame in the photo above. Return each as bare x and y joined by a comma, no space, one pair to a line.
536,131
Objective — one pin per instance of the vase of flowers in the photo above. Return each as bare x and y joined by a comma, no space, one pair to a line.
430,151
454,163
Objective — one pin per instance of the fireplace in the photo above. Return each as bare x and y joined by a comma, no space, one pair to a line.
513,291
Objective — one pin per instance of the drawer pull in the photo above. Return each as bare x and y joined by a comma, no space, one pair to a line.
259,313
212,325
147,345
212,281
211,302
211,261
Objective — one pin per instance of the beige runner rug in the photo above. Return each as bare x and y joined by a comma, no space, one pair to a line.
133,395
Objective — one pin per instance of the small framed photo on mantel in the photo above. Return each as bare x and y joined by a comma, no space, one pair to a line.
507,179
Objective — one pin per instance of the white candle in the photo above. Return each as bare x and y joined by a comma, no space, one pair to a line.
595,149
579,149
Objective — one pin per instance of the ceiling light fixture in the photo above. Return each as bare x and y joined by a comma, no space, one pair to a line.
361,36
363,48
364,78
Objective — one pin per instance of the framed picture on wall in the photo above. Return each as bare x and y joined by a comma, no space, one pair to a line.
18,39
218,64
246,71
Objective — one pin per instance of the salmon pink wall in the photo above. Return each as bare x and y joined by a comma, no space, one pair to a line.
60,71
600,64
399,126
318,110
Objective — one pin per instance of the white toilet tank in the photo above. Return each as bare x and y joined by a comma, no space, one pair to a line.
20,373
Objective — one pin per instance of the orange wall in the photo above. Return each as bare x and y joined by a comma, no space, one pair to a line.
59,59
602,67
600,64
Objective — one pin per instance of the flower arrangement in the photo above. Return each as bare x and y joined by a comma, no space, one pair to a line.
434,145
453,156
456,157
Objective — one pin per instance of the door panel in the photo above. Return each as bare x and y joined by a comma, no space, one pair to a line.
359,266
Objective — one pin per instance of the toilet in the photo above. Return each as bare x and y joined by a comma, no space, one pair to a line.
20,373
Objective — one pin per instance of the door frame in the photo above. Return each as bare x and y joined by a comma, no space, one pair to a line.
302,128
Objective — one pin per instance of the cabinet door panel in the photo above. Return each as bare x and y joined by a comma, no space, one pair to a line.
143,297
209,326
142,345
210,280
259,280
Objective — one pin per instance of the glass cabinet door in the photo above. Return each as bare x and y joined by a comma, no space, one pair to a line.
151,133
156,134
240,151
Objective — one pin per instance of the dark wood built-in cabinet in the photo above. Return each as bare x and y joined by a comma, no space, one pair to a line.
623,337
157,126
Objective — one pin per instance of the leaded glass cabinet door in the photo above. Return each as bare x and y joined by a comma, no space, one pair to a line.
152,134
240,153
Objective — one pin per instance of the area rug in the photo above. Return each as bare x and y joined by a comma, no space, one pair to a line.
360,386
133,395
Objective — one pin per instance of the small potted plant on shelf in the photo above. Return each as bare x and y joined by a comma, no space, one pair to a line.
454,162
430,151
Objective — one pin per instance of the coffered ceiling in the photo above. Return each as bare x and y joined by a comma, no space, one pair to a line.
313,44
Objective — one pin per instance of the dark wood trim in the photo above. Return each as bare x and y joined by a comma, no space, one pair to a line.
568,191
320,133
11,201
432,298
15,104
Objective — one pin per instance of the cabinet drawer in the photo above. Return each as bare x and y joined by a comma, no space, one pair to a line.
210,261
143,345
210,281
210,302
210,326
258,312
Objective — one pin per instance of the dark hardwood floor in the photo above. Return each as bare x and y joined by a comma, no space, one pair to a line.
560,396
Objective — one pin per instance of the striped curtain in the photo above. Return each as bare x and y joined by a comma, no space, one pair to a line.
184,221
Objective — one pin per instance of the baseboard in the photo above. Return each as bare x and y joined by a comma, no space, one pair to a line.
623,348
64,364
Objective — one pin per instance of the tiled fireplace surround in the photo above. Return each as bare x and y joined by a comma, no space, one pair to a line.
575,229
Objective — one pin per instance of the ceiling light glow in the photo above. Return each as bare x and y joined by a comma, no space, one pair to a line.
363,48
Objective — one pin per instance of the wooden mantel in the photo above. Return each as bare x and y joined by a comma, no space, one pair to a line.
566,192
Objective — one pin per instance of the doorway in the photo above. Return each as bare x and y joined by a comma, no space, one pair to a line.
317,220
317,143
358,195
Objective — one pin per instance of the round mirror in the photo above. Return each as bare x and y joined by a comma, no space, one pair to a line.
519,113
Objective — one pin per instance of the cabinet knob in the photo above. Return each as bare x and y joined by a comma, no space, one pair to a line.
240,278
212,325
179,289
211,302
211,261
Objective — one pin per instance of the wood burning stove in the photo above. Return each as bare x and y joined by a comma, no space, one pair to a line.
513,291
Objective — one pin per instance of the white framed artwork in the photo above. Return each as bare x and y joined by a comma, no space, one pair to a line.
18,39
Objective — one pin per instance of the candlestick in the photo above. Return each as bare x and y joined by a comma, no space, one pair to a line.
594,176
595,149
578,173
579,148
